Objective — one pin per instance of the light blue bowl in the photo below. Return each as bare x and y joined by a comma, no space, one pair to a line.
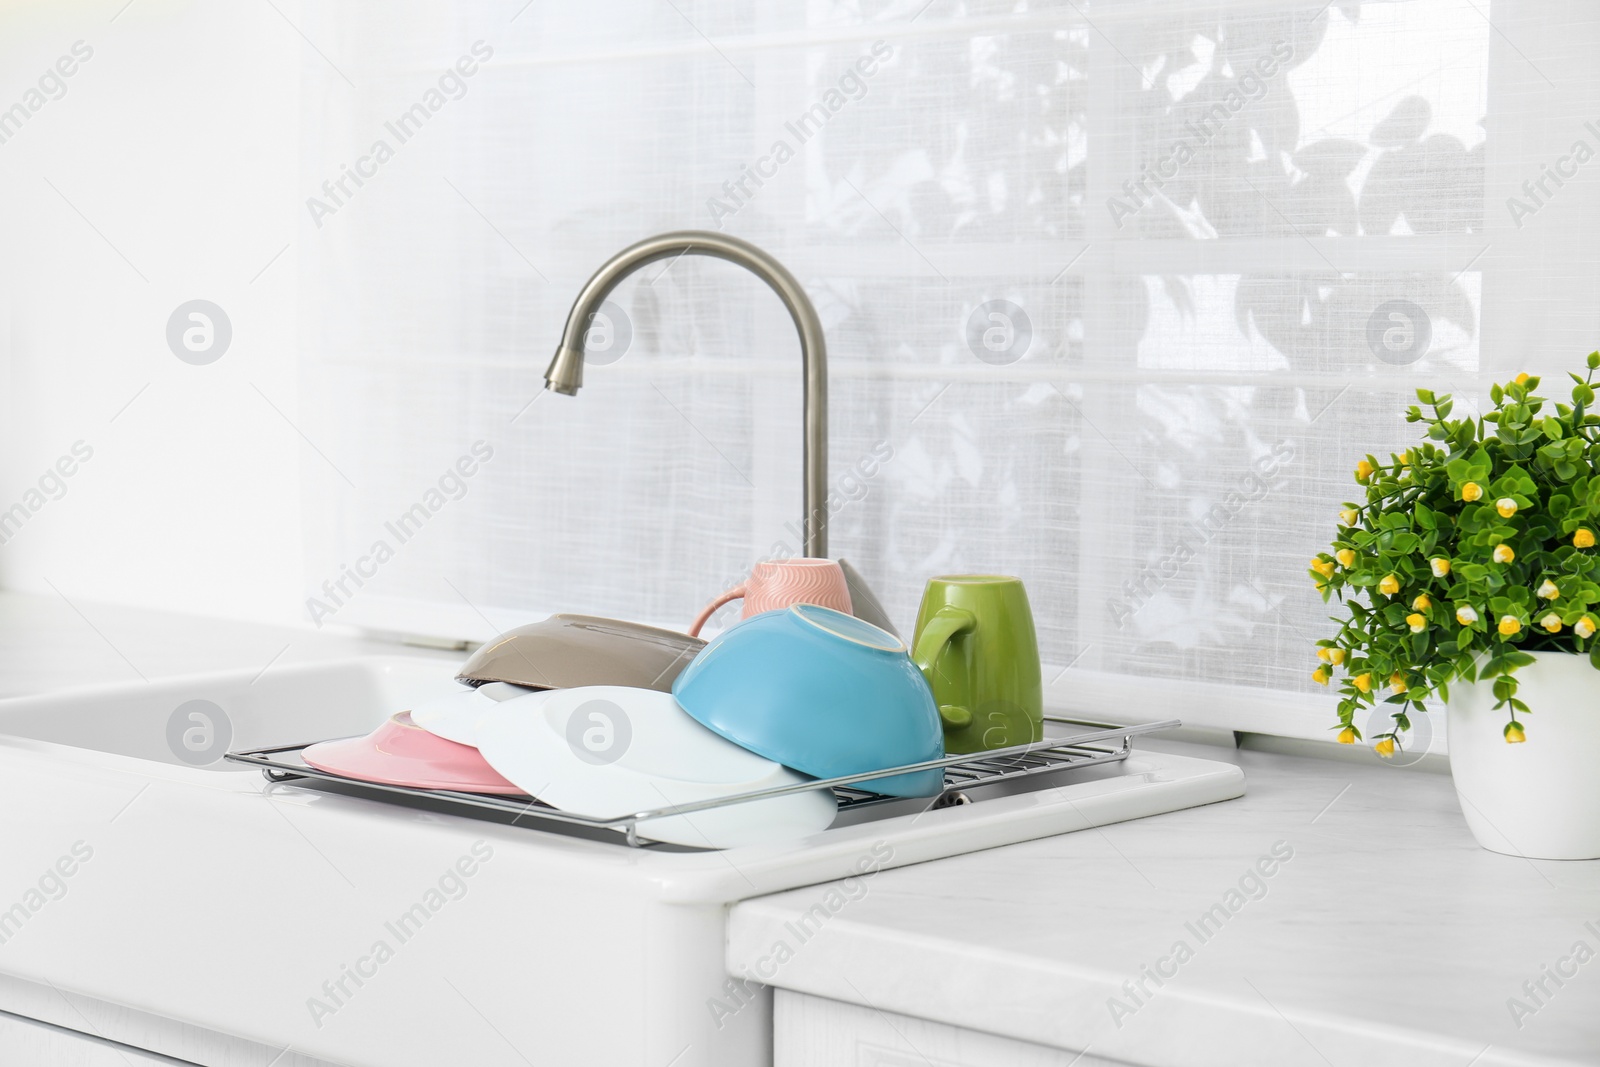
821,692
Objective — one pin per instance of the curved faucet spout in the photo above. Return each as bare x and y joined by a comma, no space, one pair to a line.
565,375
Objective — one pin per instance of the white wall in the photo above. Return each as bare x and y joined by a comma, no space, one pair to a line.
177,142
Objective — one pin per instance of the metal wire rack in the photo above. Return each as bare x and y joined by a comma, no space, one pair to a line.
1084,744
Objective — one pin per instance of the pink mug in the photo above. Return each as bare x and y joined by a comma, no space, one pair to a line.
778,583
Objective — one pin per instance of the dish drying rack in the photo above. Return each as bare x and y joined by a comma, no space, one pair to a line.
1086,744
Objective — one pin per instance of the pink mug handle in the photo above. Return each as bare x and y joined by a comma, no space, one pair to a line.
735,593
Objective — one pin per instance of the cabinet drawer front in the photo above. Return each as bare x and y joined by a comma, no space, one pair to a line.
815,1032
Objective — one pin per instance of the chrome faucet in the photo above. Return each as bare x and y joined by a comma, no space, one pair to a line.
565,375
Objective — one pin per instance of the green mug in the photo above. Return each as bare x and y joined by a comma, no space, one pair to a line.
976,646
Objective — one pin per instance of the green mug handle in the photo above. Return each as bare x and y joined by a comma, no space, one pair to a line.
946,623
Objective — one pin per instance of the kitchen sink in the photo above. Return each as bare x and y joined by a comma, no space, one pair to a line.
144,871
311,703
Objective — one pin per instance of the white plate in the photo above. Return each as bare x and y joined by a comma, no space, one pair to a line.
459,716
610,750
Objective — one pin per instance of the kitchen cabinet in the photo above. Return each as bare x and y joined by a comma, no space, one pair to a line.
42,1025
813,1031
24,1041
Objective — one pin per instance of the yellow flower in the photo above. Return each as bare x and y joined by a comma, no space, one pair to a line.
1335,656
1422,603
1346,557
1323,567
1397,682
1548,590
1389,586
1503,554
1506,507
1584,627
1551,622
1323,655
1347,736
1514,733
1363,682
1363,471
1418,623
1509,626
1522,379
1465,615
1583,539
1349,516
1441,567
1384,748
1471,491
1320,676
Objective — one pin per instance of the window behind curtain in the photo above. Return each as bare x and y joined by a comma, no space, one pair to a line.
1115,294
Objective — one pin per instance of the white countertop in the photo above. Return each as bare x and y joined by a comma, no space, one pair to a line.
1387,937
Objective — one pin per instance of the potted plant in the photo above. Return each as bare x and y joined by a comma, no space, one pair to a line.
1471,573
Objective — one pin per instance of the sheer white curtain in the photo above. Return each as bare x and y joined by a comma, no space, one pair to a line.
1116,294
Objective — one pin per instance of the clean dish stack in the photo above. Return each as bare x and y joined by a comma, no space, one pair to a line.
778,700
612,719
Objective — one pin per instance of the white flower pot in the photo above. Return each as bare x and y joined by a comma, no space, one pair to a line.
1541,798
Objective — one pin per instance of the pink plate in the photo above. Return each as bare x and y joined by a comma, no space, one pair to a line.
402,753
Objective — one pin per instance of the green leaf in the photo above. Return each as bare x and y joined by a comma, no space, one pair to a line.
1543,454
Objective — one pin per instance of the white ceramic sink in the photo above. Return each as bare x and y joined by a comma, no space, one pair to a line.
368,933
